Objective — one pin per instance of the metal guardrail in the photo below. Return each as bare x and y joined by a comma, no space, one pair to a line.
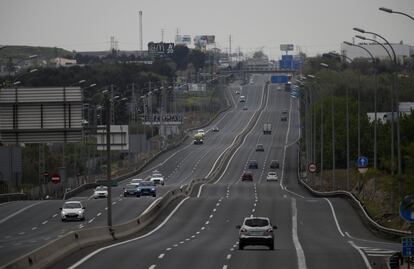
388,232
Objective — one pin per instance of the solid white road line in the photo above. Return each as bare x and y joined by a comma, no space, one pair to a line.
361,253
18,212
334,216
84,259
244,140
299,251
199,190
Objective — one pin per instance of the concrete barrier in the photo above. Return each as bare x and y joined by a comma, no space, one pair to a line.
55,250
10,197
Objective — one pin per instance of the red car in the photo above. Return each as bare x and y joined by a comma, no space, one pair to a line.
247,176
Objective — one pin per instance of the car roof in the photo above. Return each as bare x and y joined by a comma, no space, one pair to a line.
248,218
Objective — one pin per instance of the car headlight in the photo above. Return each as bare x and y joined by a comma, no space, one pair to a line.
153,189
80,212
63,213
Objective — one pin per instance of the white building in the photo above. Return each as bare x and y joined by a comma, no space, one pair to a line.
402,51
62,62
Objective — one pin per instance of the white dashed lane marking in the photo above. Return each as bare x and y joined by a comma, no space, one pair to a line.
44,222
168,249
161,256
34,228
228,257
98,214
21,233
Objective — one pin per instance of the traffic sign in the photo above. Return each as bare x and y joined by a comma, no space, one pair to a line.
312,168
408,246
362,161
407,209
55,178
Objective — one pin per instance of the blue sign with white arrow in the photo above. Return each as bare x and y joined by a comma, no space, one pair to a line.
362,162
407,208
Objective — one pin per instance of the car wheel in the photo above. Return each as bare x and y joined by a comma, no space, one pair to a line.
272,246
241,246
154,195
63,220
82,219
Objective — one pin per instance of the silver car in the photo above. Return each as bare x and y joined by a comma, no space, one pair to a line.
100,192
256,231
72,210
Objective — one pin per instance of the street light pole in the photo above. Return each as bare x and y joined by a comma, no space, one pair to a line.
333,132
375,96
395,93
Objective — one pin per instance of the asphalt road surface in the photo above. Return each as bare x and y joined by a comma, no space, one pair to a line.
200,232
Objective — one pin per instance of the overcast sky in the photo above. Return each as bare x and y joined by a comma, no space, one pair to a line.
313,26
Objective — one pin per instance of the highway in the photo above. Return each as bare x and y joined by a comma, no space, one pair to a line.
39,222
201,230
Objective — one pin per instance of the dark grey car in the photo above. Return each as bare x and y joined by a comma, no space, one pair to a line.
256,231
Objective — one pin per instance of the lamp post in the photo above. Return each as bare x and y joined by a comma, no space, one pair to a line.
375,94
396,94
324,65
388,10
347,124
375,99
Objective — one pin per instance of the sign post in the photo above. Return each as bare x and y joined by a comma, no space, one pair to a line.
407,213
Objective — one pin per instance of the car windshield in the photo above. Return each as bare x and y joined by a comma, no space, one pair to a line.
146,183
101,188
256,222
72,205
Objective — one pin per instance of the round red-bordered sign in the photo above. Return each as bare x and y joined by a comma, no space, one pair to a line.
312,168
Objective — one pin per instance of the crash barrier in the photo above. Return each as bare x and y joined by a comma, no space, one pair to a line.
10,197
87,186
225,157
55,250
117,179
372,224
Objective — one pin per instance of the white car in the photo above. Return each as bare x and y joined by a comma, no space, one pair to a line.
100,192
158,180
136,180
272,176
72,210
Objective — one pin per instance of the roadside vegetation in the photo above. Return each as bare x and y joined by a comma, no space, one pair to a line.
380,190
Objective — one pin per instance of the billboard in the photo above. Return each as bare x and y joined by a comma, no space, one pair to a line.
40,115
182,40
119,137
160,48
201,41
197,87
167,119
286,47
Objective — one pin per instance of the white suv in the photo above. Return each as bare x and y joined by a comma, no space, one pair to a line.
158,180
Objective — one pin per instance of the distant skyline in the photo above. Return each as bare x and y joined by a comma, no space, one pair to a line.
312,26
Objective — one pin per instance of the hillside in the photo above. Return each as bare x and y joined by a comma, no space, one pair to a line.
20,52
